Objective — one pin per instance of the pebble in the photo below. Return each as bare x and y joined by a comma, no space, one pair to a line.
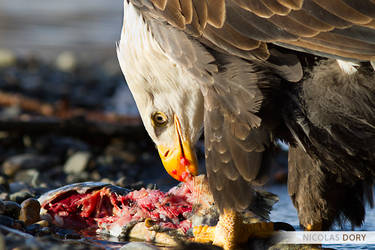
43,223
30,211
12,209
7,58
20,196
66,61
77,163
7,221
122,182
31,176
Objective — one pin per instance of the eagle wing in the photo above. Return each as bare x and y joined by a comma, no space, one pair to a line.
336,28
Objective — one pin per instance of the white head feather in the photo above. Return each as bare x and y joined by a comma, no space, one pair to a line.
157,83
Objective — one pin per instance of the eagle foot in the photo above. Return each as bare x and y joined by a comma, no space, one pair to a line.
230,231
204,234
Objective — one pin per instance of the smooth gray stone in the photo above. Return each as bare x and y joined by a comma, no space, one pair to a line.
77,163
138,246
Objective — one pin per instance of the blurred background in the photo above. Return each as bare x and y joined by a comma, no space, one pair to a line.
66,114
90,28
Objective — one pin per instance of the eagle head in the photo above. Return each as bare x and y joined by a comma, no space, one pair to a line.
168,99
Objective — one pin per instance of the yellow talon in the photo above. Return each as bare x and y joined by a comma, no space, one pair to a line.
231,231
204,234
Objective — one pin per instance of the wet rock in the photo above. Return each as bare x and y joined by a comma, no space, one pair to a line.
33,228
30,176
141,231
122,182
17,186
12,209
27,161
30,211
20,196
138,246
66,61
7,221
77,163
43,223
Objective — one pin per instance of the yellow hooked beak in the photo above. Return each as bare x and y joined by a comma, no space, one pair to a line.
179,160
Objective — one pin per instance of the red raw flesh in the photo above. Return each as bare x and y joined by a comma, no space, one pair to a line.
103,208
184,162
185,176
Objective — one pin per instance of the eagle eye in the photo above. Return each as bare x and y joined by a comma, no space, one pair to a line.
159,119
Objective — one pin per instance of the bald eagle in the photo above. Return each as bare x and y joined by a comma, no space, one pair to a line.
246,72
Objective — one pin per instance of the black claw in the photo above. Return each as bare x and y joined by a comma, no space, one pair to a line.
282,226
